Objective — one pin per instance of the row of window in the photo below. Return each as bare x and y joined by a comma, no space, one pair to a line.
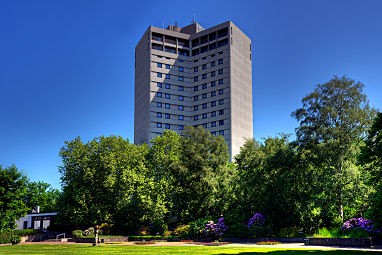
168,76
213,93
168,66
168,126
212,64
213,104
204,58
168,86
168,106
168,116
168,96
204,76
209,47
204,85
212,114
196,107
196,117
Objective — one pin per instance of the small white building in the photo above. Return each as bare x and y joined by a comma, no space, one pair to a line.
36,221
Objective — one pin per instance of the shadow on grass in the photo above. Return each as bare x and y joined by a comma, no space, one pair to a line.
307,252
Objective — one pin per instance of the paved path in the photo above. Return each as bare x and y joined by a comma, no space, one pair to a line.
284,245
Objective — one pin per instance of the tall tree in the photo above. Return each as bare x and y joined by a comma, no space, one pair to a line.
12,192
333,120
371,158
107,180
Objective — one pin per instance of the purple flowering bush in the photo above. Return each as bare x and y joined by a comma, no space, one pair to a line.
256,225
215,231
256,220
358,224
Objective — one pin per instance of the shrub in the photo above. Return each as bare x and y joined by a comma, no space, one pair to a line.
291,232
159,227
105,228
358,223
77,233
197,228
9,236
182,231
256,225
215,231
89,231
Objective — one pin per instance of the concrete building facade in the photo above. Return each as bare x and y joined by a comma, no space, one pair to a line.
193,76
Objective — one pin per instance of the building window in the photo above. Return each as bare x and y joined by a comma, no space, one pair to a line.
204,96
213,93
205,125
159,65
181,117
204,86
168,76
220,61
213,73
180,127
204,76
167,106
212,63
167,86
159,84
196,107
204,115
181,60
221,132
181,69
213,114
220,71
221,91
180,107
168,66
220,81
159,115
196,88
195,69
204,66
159,125
220,52
181,78
181,88
204,106
167,126
181,98
167,95
196,98
159,94
213,103
213,133
221,122
221,101
221,112
213,124
196,117
196,78
159,105
167,116
159,75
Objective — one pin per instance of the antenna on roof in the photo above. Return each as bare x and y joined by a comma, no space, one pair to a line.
163,24
194,19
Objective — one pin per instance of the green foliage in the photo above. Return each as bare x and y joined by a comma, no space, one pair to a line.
159,227
11,236
291,232
182,231
197,227
338,233
41,194
12,191
77,233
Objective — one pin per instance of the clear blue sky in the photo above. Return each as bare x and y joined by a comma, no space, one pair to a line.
67,66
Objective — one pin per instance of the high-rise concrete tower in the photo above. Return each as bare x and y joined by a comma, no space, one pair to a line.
193,76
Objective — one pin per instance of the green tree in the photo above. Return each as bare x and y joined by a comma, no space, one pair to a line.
333,120
270,182
41,194
107,180
12,193
371,158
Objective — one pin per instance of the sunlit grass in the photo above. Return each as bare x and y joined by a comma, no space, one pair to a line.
65,249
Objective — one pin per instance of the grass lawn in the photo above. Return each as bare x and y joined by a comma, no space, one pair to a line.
62,249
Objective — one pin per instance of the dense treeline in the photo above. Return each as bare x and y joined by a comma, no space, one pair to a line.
330,172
